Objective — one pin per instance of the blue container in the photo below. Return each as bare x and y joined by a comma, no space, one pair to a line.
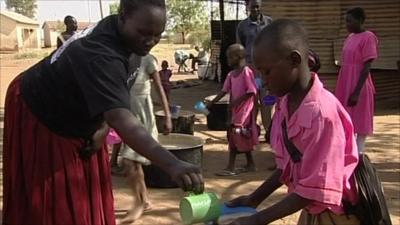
201,107
225,210
231,212
259,83
175,109
269,100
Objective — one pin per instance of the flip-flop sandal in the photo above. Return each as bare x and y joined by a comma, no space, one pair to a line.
227,173
241,170
245,169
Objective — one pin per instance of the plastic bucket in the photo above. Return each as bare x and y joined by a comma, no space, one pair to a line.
200,208
175,109
203,71
201,107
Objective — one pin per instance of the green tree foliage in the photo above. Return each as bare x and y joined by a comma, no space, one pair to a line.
24,7
114,8
188,17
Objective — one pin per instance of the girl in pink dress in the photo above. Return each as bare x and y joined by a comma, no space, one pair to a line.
165,75
355,89
243,131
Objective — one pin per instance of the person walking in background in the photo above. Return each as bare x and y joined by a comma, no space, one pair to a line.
71,25
142,109
354,88
246,33
181,56
242,131
165,74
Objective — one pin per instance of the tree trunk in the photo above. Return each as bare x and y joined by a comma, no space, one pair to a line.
183,37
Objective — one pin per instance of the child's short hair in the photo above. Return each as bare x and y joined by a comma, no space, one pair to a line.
238,49
164,62
284,35
357,13
68,19
128,6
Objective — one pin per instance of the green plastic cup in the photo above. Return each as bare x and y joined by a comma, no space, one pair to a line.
200,208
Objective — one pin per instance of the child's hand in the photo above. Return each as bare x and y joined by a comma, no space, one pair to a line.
244,200
187,176
248,220
167,125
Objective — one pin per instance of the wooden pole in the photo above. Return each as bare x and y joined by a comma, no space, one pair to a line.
101,9
222,17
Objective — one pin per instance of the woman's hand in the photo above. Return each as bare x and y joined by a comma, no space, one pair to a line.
132,132
353,99
187,176
167,125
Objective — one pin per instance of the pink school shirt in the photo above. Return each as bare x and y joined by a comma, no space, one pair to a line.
322,131
357,49
165,75
238,86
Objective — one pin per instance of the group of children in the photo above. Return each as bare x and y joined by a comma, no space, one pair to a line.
317,136
308,120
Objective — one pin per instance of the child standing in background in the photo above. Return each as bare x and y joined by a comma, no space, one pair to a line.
355,89
165,75
243,131
142,109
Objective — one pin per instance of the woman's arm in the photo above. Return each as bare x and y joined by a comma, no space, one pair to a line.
164,101
360,84
137,137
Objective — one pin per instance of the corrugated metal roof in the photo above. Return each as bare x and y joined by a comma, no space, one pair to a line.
18,17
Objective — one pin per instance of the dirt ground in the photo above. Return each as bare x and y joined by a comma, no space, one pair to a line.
383,148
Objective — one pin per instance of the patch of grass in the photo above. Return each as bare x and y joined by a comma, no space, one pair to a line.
32,54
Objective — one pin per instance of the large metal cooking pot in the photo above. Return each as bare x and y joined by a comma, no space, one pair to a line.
185,147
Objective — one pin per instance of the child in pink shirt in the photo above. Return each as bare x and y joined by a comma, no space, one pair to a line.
165,75
311,120
354,88
243,131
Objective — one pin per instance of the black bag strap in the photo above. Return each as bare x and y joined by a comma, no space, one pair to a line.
294,153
